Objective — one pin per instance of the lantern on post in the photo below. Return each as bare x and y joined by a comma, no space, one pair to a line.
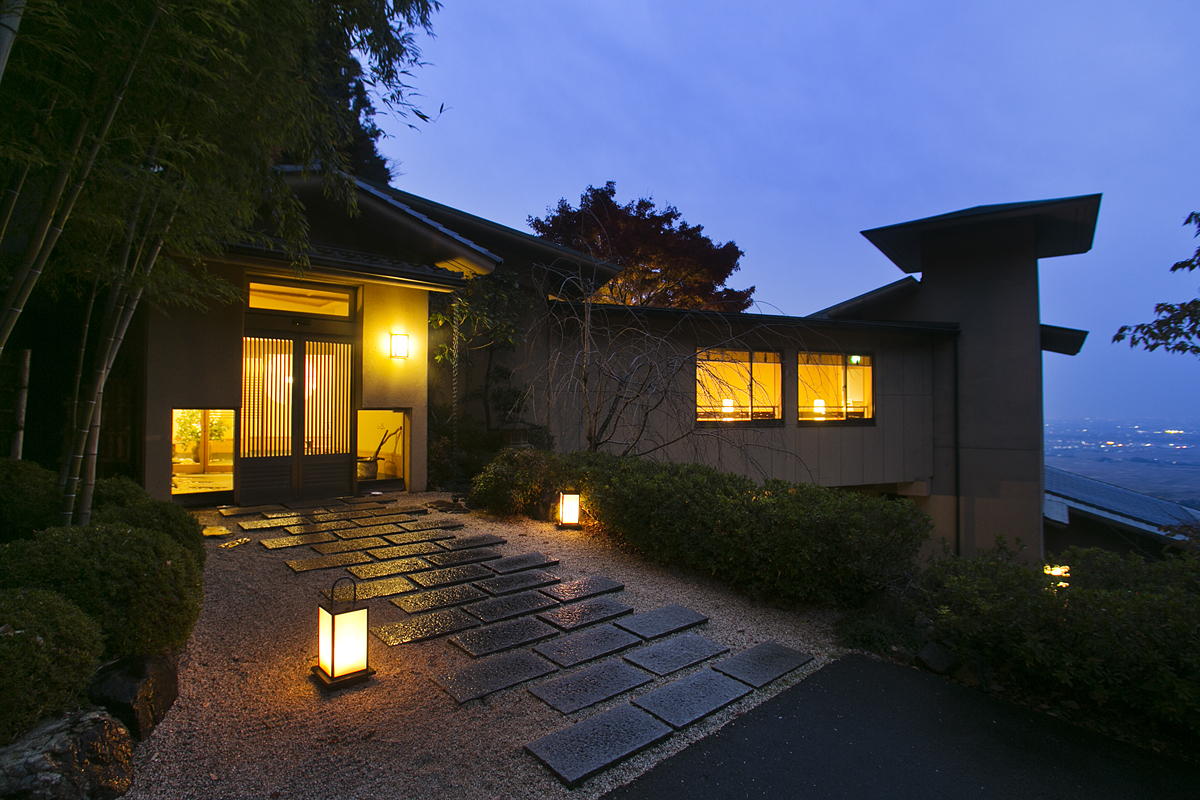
341,641
568,509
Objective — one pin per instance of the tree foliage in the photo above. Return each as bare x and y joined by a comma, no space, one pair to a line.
664,261
1177,327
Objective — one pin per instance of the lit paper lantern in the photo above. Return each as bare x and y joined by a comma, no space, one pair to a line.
568,509
399,345
341,641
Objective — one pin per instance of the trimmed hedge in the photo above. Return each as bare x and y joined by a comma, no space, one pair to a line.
48,652
783,541
1119,630
120,501
29,499
142,588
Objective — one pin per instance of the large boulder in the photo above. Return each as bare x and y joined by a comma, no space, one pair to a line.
87,755
138,690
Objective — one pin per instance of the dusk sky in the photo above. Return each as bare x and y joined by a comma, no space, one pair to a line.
790,127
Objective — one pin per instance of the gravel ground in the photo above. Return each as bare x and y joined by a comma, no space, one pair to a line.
251,723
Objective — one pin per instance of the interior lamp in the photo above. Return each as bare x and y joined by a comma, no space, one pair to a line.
341,641
568,509
399,345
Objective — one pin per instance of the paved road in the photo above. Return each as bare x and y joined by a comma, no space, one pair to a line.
860,728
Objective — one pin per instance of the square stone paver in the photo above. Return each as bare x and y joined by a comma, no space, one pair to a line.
692,697
314,527
327,562
425,525
295,541
661,621
517,582
457,557
503,636
243,511
450,575
483,678
373,530
424,626
763,663
495,609
405,550
589,612
439,598
268,524
384,569
685,650
419,537
583,588
522,562
587,687
587,747
346,545
370,589
466,542
577,648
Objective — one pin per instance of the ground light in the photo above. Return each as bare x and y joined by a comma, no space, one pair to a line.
341,641
568,509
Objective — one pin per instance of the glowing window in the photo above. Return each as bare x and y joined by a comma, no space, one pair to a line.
201,450
300,299
835,386
738,386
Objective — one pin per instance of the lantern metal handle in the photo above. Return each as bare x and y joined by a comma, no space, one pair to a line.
333,592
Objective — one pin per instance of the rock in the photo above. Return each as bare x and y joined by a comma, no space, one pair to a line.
137,690
87,755
1071,704
968,675
938,659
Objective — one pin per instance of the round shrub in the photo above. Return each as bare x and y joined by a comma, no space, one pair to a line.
142,588
514,481
48,652
29,499
120,501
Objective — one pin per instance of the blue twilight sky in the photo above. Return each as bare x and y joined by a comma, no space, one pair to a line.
789,127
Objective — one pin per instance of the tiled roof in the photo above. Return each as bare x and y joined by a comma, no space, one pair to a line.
1139,510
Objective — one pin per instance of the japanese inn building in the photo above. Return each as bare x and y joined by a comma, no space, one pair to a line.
319,385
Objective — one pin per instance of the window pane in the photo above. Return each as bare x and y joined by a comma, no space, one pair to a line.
266,397
820,386
859,396
201,450
300,299
768,384
327,398
738,385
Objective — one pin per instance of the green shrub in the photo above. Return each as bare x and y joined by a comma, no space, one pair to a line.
514,481
120,501
29,499
142,588
48,652
1112,630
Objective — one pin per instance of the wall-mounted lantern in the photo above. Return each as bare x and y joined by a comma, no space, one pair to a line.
399,345
341,641
568,509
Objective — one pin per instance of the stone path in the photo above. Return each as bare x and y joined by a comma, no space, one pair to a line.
575,644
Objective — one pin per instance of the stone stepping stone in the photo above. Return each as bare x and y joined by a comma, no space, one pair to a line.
348,545
449,576
661,621
522,562
688,699
587,747
373,530
577,648
432,524
414,510
287,512
242,511
495,609
385,518
472,556
763,663
419,536
503,636
326,562
317,527
405,550
583,588
675,654
215,530
384,569
438,598
296,541
304,504
467,542
494,674
339,515
355,500
570,693
268,524
517,582
424,626
370,589
589,612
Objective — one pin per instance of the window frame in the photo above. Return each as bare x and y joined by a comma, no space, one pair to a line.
350,291
742,423
846,422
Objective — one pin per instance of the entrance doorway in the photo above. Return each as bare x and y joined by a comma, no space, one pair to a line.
296,426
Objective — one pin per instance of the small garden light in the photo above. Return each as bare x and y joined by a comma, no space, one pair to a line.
341,641
399,345
568,509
